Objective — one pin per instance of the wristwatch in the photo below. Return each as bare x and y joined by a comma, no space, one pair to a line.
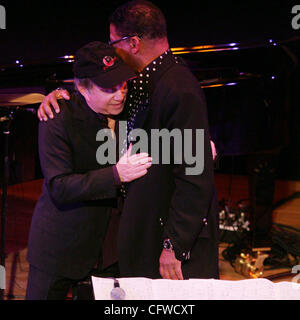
167,244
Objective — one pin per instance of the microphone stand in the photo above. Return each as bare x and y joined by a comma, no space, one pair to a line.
6,122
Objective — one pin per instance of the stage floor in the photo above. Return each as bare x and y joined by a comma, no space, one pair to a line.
22,199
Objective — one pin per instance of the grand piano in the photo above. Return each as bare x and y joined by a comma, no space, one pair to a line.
247,86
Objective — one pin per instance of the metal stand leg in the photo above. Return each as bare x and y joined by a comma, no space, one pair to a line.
6,121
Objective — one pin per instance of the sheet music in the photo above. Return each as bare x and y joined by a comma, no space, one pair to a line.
287,291
182,289
102,288
198,289
250,289
137,288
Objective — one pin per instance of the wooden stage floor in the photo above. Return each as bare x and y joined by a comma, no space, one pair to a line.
22,199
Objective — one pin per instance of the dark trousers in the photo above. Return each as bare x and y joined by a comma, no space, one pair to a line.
44,286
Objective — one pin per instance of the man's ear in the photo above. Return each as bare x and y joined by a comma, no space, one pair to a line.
135,44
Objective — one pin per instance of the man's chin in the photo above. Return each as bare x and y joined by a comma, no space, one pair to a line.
118,111
115,113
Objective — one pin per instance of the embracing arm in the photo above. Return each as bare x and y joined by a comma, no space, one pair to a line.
45,109
66,186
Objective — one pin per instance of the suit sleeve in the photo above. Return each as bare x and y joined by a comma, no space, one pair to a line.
64,185
194,190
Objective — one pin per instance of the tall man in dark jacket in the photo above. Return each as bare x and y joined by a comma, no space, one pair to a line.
72,215
169,225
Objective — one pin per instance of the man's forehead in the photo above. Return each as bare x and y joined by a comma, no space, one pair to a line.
112,32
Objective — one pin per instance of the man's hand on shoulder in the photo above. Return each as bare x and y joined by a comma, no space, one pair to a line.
45,109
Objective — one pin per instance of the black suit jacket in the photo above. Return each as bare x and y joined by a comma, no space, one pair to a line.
166,202
72,214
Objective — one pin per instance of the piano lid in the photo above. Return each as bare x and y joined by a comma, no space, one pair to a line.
212,64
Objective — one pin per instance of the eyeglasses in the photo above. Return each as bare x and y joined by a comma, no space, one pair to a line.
112,42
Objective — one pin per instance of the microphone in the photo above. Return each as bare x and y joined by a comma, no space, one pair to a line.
117,293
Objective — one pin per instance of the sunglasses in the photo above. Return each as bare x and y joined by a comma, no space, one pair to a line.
111,43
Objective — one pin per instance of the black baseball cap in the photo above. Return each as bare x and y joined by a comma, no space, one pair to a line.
100,63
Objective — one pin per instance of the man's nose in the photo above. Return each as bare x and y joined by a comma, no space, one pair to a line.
121,94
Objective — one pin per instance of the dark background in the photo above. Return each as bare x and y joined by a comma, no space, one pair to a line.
49,29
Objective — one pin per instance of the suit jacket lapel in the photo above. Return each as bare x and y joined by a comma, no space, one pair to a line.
161,69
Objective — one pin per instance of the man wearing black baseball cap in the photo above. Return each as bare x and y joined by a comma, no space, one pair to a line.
71,218
100,63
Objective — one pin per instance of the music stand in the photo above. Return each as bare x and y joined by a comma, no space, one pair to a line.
11,103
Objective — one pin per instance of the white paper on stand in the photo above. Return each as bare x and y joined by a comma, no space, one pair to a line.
197,289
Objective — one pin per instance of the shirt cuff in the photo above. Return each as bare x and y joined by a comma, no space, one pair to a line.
116,177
